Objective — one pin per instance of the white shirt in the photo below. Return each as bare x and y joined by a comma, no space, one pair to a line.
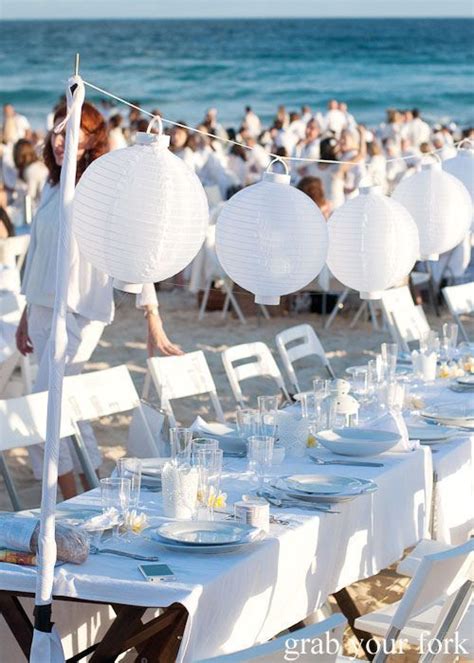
90,292
335,121
333,183
116,139
253,124
419,132
377,171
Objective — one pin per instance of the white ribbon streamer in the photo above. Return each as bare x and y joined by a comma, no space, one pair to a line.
75,93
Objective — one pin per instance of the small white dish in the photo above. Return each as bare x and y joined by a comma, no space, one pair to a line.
357,441
199,550
450,415
466,380
349,488
429,433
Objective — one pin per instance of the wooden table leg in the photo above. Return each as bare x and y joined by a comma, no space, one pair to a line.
351,612
125,624
164,645
17,620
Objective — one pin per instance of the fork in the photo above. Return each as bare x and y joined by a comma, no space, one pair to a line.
94,550
355,463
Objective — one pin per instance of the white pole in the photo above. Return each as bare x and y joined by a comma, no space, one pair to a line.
46,645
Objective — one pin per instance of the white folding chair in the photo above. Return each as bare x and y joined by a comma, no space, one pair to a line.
111,391
434,607
324,638
304,342
11,308
23,424
460,301
182,377
406,322
259,362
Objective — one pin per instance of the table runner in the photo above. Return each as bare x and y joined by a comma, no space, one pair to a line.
242,598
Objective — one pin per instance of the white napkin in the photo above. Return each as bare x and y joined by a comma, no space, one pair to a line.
199,425
424,364
103,521
393,422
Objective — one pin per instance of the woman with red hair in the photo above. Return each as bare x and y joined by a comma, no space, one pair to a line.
90,292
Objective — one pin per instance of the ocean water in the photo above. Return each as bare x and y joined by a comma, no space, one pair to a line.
185,66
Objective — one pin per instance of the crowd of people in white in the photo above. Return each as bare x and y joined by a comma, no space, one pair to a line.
355,151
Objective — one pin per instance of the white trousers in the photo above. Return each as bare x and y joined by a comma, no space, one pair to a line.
83,336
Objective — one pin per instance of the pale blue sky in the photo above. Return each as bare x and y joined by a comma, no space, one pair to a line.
12,9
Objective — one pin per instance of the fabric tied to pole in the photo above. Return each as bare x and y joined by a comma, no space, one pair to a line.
46,646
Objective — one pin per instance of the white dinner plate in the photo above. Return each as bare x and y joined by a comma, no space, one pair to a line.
320,484
206,533
363,486
152,534
429,433
451,414
357,441
153,467
401,370
466,380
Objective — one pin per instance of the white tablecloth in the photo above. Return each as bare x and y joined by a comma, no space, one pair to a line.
453,464
242,598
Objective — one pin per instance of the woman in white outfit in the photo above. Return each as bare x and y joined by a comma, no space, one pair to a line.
90,294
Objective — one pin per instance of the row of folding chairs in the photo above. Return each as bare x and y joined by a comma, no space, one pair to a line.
407,322
189,375
435,615
86,397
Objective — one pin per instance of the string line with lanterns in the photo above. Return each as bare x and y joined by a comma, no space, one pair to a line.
235,142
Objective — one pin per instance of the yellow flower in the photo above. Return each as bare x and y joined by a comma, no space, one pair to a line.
217,501
311,441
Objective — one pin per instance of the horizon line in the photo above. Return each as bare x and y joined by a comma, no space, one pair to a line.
236,18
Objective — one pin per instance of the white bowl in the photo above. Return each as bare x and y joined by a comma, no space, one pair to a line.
358,441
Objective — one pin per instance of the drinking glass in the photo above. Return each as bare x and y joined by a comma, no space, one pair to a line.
268,424
180,441
450,339
131,468
360,383
260,455
308,405
115,494
389,353
203,443
268,403
248,421
209,465
392,395
373,378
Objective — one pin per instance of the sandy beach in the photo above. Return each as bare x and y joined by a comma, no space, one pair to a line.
124,342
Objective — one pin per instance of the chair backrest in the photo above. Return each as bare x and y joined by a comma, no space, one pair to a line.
182,377
318,642
23,421
406,321
438,577
13,250
304,342
259,363
460,301
110,391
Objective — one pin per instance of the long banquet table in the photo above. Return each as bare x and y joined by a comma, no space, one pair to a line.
238,599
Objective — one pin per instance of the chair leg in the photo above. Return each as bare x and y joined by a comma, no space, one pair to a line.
339,305
80,449
205,299
10,486
362,308
265,312
373,316
146,386
232,300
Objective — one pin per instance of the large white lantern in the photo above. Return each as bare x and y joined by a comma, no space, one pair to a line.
462,167
373,243
441,207
271,238
140,213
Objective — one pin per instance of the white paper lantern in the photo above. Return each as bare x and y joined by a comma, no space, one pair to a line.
440,206
373,243
140,213
462,167
271,238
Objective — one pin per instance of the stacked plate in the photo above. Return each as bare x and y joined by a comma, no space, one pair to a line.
151,472
322,487
429,434
358,441
205,536
449,414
